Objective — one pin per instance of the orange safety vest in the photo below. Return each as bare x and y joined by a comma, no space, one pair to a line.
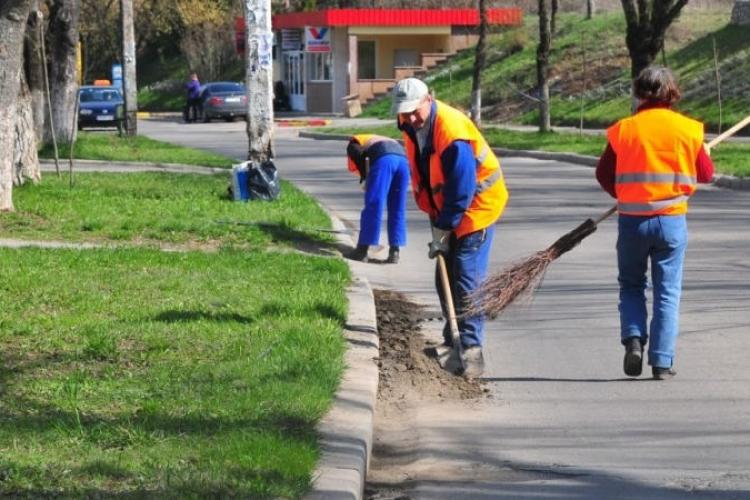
656,153
491,195
365,140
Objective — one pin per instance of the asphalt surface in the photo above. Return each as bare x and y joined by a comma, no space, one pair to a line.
563,421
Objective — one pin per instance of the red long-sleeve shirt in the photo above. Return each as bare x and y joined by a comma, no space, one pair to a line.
605,169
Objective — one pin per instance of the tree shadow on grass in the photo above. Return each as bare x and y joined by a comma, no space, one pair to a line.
175,316
312,241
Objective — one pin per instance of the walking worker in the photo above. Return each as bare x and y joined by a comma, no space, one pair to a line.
651,165
381,164
193,101
457,181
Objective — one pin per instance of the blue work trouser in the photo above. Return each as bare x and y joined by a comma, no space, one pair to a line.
466,262
663,239
387,181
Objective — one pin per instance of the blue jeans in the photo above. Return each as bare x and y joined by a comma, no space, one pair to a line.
467,263
663,240
387,181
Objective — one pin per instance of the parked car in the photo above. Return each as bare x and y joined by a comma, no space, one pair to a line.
100,106
226,100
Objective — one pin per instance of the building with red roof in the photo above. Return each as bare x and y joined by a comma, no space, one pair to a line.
330,59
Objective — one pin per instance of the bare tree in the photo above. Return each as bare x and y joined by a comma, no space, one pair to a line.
25,158
259,42
480,58
34,67
63,74
542,66
590,8
647,22
13,15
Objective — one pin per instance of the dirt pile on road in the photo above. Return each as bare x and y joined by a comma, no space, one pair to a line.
406,372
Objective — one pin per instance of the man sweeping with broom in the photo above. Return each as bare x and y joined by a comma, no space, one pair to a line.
457,181
651,165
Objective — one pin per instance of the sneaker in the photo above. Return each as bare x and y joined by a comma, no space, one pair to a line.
633,362
473,362
660,373
392,256
359,253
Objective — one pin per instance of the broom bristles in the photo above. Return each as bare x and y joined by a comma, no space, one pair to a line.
521,280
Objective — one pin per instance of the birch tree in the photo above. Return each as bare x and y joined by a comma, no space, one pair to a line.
480,59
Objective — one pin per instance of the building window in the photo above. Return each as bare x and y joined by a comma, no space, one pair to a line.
366,59
321,67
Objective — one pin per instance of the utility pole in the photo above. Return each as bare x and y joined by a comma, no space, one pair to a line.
259,77
130,89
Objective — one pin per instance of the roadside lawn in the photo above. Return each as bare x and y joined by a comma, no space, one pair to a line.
729,157
110,146
156,208
131,371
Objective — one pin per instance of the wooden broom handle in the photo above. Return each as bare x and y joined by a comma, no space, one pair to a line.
730,132
455,336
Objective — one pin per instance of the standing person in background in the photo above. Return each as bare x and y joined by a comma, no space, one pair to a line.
651,165
457,181
193,102
385,182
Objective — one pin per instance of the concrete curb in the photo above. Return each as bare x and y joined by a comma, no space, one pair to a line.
720,180
346,430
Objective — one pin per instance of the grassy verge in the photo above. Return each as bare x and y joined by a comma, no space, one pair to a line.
111,147
729,158
153,208
165,375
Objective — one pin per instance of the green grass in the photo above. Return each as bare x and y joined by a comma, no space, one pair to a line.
729,158
603,88
111,147
165,375
153,208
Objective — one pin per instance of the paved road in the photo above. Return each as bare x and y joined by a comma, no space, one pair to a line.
563,422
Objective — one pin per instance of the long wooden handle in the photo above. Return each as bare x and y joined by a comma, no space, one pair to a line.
456,338
730,132
606,214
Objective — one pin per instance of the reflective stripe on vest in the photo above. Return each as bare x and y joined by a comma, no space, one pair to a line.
653,206
481,186
676,178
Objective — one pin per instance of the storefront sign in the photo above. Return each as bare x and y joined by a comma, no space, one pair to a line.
291,39
317,39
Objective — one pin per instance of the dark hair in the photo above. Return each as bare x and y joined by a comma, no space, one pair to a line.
656,84
356,152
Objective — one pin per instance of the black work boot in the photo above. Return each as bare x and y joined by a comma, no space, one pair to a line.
392,255
359,253
633,362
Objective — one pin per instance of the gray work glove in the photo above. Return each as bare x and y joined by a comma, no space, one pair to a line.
440,242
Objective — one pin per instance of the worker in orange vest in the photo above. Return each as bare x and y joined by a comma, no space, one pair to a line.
381,164
457,181
651,165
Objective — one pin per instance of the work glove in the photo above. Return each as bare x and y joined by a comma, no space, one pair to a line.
440,242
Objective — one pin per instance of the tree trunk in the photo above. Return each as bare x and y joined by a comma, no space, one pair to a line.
259,42
13,15
480,58
25,159
542,67
63,74
646,25
590,9
33,65
130,87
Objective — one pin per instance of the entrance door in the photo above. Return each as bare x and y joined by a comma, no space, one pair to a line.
294,79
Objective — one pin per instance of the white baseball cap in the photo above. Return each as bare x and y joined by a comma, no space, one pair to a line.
407,95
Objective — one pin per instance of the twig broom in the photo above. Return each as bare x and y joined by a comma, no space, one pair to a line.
523,278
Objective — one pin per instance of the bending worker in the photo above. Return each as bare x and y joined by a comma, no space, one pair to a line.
457,181
381,164
652,163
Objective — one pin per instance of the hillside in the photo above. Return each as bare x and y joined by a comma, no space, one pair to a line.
591,67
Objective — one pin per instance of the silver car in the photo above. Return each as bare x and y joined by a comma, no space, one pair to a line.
227,100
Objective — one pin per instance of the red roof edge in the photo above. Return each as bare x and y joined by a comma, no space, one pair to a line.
396,17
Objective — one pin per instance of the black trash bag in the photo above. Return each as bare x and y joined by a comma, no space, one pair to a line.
263,181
